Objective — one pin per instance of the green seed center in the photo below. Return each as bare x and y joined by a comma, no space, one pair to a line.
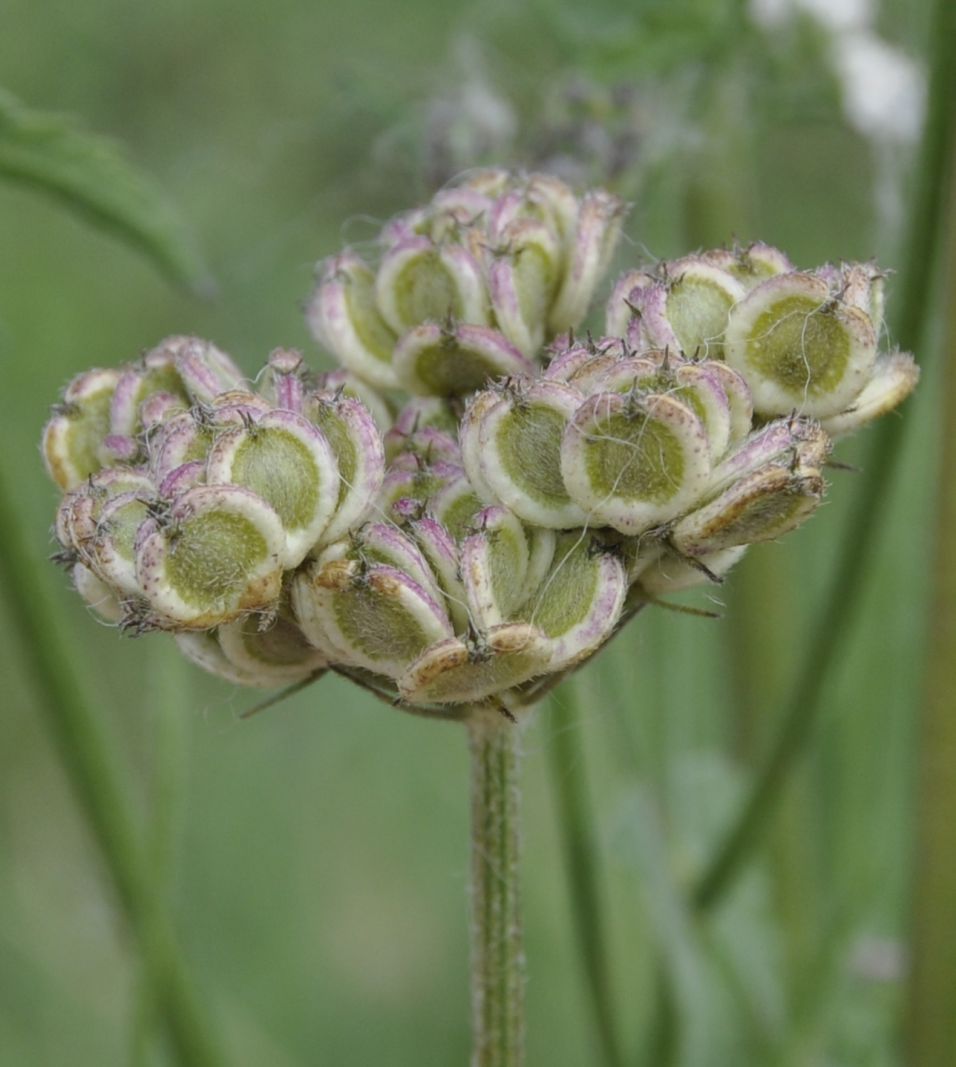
211,557
800,345
633,457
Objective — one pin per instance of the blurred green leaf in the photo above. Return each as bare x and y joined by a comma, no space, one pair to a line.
649,37
931,1023
101,788
581,858
89,173
724,976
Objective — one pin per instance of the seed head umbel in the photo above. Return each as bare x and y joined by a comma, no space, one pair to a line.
476,501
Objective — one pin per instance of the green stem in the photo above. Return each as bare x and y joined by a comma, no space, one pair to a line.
47,654
497,952
167,711
833,627
576,829
931,1006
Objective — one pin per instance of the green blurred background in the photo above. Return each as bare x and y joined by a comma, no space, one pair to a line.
320,850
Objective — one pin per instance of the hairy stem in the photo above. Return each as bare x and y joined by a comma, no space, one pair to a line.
833,625
91,766
497,950
576,830
931,1018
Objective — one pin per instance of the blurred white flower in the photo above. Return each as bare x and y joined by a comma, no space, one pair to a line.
883,89
834,14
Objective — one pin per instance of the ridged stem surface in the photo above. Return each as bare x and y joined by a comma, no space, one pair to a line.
497,948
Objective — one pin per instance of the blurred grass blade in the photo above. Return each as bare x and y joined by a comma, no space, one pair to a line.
167,708
820,986
90,174
576,830
931,1008
49,659
169,693
834,625
717,1020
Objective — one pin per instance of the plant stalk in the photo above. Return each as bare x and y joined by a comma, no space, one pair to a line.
497,949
